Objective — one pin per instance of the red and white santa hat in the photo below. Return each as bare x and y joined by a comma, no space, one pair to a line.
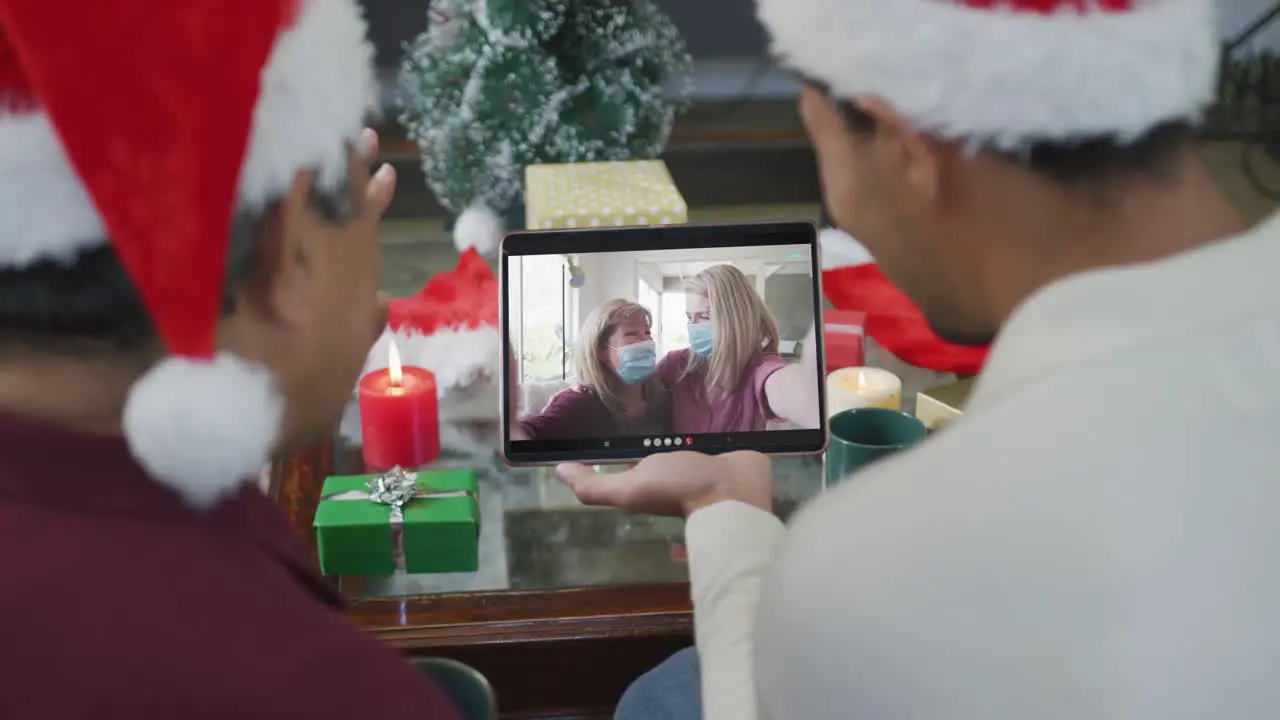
151,122
1008,71
450,327
851,280
1000,72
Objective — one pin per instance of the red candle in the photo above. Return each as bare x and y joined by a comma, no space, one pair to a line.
399,415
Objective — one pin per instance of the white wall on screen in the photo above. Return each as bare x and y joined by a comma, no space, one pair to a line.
675,323
649,285
618,275
608,276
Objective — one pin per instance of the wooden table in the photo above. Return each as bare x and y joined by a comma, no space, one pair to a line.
564,613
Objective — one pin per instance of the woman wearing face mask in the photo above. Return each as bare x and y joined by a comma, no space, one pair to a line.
618,392
731,377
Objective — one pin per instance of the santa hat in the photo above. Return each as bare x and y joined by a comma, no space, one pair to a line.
149,122
451,329
1005,72
851,280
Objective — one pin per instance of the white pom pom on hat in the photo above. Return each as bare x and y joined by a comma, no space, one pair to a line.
478,227
202,427
289,88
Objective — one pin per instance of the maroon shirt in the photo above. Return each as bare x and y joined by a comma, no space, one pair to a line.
579,413
118,601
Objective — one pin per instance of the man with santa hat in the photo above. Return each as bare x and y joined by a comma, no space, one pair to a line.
188,284
1097,537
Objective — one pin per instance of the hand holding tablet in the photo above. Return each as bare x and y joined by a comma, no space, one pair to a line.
676,484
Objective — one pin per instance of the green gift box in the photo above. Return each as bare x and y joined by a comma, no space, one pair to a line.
436,531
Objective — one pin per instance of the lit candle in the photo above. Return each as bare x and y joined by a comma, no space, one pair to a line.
399,415
860,387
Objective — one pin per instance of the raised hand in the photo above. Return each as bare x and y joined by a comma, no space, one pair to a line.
382,186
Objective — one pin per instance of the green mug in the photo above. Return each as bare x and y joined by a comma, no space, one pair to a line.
861,436
470,692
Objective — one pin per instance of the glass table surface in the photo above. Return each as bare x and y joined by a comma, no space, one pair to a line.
535,535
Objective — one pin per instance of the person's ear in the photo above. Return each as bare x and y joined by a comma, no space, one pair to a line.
911,156
291,259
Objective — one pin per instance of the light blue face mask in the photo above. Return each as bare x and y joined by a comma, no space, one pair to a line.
700,339
637,361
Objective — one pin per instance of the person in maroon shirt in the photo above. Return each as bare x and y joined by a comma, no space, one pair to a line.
618,392
188,284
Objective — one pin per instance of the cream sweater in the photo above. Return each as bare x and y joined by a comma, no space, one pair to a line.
1097,539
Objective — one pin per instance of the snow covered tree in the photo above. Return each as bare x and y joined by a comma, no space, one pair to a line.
495,85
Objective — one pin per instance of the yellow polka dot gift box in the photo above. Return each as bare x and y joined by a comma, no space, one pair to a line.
606,194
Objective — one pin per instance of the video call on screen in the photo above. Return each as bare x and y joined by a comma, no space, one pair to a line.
621,353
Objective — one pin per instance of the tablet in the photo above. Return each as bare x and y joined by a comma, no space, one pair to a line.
625,342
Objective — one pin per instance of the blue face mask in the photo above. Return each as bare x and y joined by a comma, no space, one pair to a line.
700,339
637,361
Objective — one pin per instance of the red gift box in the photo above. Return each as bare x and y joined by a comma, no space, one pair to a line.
844,331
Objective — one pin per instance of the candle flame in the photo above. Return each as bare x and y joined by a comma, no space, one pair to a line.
862,380
394,370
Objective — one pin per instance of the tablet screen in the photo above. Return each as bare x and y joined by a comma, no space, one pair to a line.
633,341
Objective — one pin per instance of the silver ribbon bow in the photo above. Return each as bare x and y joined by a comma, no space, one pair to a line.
396,488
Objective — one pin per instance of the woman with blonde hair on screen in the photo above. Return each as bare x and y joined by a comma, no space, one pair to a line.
731,377
618,392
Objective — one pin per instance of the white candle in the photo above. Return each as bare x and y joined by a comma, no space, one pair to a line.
860,387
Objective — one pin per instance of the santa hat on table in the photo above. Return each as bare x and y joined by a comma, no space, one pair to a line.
851,280
451,329
1004,73
149,122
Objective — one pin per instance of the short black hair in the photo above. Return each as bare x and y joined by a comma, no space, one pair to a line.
89,305
1078,161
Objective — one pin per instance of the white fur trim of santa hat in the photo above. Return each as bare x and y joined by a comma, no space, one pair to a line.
201,427
318,89
838,249
1004,77
45,213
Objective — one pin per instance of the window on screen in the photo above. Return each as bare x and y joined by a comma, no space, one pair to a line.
651,297
546,308
675,331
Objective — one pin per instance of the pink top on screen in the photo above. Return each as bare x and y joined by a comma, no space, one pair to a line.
743,410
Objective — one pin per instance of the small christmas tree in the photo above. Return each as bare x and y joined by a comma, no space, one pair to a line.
495,85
